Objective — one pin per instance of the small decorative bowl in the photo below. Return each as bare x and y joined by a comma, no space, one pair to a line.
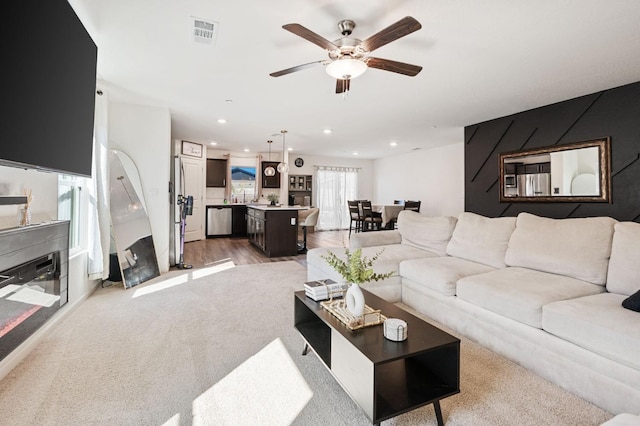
395,329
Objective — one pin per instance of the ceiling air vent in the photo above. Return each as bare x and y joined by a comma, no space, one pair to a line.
203,30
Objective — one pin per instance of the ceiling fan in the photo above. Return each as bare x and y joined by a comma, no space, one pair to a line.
349,57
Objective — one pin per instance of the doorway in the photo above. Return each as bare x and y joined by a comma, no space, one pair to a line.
193,184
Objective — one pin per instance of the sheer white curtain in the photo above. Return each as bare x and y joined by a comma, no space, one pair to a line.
256,188
98,217
334,186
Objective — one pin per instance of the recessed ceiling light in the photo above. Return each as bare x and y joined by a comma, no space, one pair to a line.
222,120
393,143
289,149
246,150
327,131
355,153
229,101
213,143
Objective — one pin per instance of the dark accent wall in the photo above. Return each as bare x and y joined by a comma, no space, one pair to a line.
614,113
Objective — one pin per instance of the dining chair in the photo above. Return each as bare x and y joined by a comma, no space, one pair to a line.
412,205
399,202
356,216
372,220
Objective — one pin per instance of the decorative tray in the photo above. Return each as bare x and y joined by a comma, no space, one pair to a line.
338,308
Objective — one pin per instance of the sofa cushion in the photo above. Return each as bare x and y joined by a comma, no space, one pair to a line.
577,248
370,239
426,232
597,323
481,239
632,302
388,261
520,293
440,273
623,276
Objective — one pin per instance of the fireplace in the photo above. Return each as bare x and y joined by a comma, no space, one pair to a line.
33,280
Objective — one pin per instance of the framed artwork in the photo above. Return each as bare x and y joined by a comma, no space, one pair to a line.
191,149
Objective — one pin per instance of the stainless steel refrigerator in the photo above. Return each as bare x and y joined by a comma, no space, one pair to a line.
534,185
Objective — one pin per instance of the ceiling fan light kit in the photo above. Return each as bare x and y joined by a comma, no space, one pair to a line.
346,68
349,57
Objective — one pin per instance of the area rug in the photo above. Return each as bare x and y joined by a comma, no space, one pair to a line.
217,346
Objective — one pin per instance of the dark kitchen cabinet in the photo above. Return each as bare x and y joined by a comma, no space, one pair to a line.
300,187
239,221
531,169
216,173
270,181
537,168
509,168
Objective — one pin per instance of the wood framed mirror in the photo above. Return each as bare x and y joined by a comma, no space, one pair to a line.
576,173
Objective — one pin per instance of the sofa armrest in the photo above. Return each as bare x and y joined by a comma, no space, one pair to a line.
374,238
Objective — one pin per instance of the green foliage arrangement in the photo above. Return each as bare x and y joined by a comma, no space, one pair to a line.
356,269
273,198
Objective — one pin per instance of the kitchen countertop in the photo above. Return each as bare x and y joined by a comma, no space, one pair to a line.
269,207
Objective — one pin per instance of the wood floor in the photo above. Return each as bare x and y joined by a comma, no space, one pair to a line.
211,250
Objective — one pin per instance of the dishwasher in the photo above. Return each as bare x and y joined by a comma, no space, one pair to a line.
218,221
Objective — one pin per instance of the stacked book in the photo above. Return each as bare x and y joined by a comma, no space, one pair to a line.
324,289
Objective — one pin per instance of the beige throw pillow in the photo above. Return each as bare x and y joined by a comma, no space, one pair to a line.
426,232
481,239
624,266
578,248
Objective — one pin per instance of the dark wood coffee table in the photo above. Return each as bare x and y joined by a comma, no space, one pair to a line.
384,377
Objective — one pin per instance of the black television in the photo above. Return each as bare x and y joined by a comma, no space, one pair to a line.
48,87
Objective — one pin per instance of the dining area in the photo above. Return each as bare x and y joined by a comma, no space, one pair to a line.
366,216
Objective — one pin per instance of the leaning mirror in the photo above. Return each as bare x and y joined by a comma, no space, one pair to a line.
130,224
577,172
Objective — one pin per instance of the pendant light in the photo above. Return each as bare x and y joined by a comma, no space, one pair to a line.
133,205
283,167
269,171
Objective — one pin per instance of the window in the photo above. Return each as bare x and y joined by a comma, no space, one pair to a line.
243,183
335,186
69,199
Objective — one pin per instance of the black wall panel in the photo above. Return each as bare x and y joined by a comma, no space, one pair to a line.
614,113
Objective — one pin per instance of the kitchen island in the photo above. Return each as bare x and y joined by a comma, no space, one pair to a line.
274,229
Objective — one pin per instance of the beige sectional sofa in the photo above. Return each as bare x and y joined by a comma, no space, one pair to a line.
543,292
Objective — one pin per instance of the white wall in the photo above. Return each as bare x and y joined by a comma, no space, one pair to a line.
44,187
144,133
434,176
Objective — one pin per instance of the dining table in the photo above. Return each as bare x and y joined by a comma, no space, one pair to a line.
389,213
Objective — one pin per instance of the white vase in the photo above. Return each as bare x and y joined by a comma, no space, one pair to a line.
355,300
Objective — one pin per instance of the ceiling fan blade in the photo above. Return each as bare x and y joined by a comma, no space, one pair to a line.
296,68
343,86
393,66
403,27
309,35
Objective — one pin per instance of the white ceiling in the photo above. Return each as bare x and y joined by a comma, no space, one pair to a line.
481,60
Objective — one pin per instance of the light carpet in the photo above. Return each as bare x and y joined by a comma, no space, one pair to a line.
221,349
